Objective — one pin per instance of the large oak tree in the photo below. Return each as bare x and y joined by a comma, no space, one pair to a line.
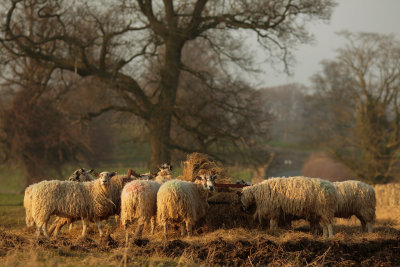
116,41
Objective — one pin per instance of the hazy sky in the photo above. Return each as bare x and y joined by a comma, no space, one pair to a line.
381,16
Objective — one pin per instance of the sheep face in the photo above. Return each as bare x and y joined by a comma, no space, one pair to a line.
206,180
81,175
105,178
247,200
166,166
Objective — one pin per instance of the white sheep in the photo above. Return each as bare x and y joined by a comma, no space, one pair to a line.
117,183
139,203
139,200
89,201
78,175
183,202
303,197
356,198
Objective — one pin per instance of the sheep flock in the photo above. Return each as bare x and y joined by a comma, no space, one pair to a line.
163,201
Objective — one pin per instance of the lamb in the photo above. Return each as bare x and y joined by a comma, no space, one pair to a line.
356,198
78,176
308,198
139,200
117,183
183,202
88,201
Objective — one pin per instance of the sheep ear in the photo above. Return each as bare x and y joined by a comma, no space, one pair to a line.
91,170
170,167
113,174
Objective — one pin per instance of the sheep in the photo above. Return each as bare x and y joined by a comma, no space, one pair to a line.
183,202
356,198
138,203
163,175
117,183
138,200
28,206
88,201
77,176
308,198
80,175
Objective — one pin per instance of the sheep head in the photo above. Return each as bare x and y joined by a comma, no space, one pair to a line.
207,180
105,178
166,166
246,198
81,175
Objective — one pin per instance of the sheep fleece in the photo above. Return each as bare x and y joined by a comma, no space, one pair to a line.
181,201
139,201
300,196
355,198
70,199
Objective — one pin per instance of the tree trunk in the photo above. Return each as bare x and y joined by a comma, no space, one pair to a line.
161,115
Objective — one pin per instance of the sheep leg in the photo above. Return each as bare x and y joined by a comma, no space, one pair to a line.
330,230
183,230
38,230
44,228
54,227
153,224
85,225
98,224
314,226
363,223
370,227
166,229
189,229
139,230
273,224
325,230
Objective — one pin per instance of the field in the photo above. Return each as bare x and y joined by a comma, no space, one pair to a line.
228,244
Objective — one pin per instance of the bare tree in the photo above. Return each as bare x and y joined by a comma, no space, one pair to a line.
35,132
358,103
113,40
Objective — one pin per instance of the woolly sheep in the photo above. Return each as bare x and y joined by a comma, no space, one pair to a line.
80,175
77,175
138,200
88,201
117,183
308,198
356,198
183,202
139,203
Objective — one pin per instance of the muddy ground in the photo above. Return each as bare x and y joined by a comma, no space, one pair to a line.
234,247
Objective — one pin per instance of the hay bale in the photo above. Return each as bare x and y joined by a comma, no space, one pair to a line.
197,163
225,212
387,195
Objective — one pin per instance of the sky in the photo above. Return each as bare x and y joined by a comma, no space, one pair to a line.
380,16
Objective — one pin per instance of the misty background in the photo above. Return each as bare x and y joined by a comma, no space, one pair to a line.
315,92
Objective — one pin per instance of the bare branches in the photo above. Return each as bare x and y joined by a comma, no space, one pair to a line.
365,128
